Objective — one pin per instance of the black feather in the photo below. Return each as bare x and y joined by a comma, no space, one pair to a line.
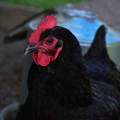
98,63
98,47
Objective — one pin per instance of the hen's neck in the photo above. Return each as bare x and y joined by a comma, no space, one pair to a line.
65,80
71,83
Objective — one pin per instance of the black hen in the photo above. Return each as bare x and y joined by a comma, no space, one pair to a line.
61,89
98,63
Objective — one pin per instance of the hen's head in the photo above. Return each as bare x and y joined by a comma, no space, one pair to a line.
48,40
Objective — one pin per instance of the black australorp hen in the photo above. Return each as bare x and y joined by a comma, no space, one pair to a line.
98,63
58,83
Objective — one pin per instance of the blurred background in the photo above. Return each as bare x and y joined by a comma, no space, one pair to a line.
14,12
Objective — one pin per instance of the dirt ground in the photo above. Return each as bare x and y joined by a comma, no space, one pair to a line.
10,71
11,55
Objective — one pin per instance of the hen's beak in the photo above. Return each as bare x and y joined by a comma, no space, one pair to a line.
29,49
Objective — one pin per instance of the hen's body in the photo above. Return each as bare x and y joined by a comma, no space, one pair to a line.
52,103
63,90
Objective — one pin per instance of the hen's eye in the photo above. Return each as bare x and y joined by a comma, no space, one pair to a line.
49,41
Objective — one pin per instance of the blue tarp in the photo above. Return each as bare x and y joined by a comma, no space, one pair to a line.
85,25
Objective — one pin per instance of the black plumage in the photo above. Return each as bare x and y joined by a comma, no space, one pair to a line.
64,90
98,62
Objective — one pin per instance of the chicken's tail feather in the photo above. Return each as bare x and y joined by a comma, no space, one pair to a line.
98,48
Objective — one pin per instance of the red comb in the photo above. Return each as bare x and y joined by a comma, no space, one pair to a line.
47,23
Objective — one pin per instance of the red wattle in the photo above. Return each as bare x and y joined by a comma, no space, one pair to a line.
41,59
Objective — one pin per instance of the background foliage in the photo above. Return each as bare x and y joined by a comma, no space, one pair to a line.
41,3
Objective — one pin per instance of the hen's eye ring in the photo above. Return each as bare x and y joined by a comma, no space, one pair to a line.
49,41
